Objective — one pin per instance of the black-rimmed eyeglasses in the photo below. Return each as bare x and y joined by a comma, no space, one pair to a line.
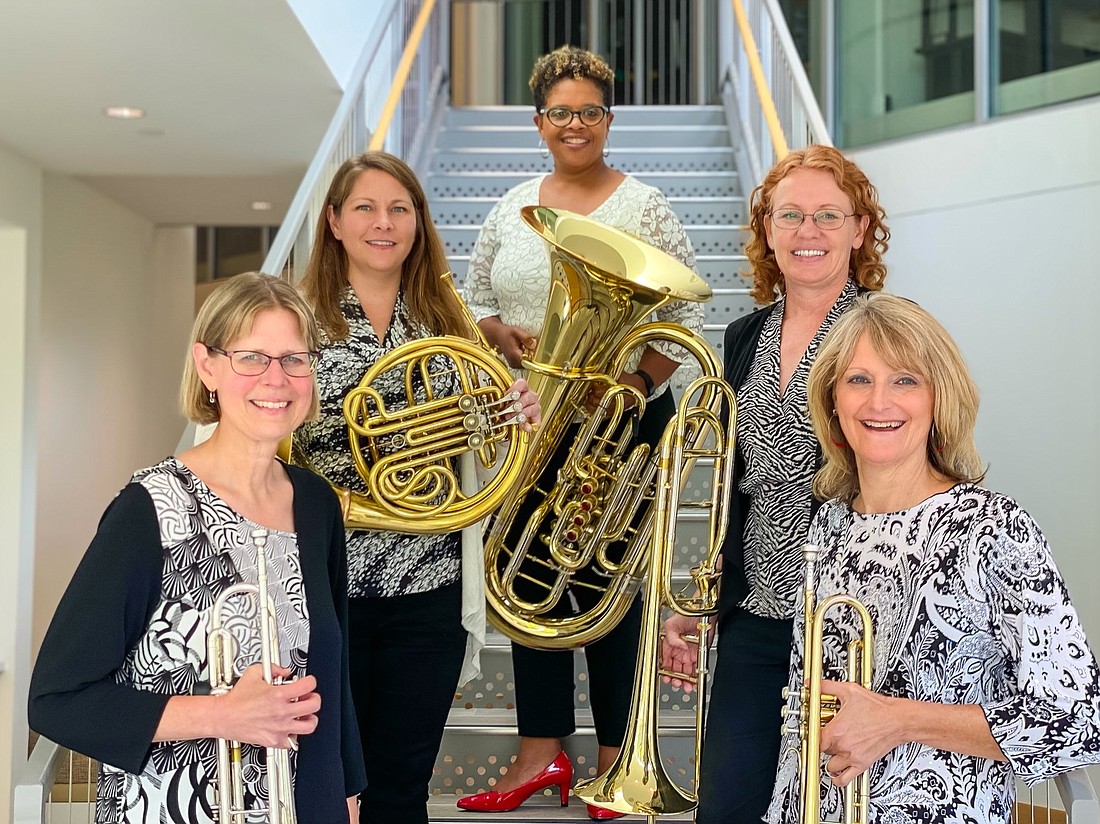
827,219
250,364
561,117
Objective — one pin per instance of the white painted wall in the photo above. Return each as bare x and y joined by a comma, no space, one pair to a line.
117,304
339,29
98,303
20,276
996,230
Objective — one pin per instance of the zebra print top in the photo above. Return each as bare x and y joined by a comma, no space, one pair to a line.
778,444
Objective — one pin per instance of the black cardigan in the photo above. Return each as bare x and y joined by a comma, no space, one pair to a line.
738,349
76,700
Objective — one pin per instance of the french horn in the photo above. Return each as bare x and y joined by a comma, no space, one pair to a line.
407,454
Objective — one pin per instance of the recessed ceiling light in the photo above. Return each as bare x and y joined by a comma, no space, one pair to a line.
261,205
124,112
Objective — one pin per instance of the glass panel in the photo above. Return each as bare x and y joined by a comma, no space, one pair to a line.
237,249
1049,52
905,66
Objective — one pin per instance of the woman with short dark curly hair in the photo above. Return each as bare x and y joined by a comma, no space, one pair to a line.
506,289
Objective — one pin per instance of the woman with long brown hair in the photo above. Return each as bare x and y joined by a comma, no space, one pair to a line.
374,280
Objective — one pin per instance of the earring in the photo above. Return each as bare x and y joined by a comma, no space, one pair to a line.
544,150
212,396
606,148
841,444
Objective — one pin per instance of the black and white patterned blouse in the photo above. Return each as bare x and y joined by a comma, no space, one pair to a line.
779,447
967,607
380,563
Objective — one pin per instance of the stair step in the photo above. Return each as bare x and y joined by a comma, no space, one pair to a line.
494,691
685,183
459,239
646,116
544,808
622,136
531,162
473,755
699,210
720,271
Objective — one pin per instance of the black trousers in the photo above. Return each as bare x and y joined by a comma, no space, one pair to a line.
544,678
741,748
406,653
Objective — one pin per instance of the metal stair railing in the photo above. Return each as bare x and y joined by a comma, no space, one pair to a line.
406,105
765,90
404,116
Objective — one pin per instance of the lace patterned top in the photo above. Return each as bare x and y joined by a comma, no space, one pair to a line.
380,563
122,643
967,607
777,441
509,274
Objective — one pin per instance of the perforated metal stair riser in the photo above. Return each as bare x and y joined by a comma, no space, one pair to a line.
480,154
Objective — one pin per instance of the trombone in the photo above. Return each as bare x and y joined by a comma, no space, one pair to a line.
637,782
817,708
221,651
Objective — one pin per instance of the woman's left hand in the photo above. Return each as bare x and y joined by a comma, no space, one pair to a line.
529,405
353,810
864,729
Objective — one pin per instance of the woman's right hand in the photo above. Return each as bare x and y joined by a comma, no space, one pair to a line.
677,654
512,342
266,715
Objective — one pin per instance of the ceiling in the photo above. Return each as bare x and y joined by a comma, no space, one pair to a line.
235,94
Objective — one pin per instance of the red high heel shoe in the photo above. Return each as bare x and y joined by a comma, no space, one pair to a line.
602,814
558,772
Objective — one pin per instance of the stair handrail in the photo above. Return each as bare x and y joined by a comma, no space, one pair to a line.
33,782
768,99
401,130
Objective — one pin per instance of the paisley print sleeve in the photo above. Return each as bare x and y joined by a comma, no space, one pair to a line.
1050,722
477,290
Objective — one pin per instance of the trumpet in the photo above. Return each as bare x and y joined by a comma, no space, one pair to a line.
815,708
637,782
221,650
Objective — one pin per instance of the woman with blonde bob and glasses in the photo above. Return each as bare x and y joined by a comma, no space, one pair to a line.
124,676
982,674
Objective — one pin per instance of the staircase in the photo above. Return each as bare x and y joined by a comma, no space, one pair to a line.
480,154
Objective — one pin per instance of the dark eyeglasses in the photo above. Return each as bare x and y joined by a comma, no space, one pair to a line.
561,117
250,364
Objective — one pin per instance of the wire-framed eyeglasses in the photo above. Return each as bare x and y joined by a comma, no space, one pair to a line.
561,116
250,364
827,219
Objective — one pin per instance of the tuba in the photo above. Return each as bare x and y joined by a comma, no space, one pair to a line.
587,524
815,709
221,652
637,781
407,455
